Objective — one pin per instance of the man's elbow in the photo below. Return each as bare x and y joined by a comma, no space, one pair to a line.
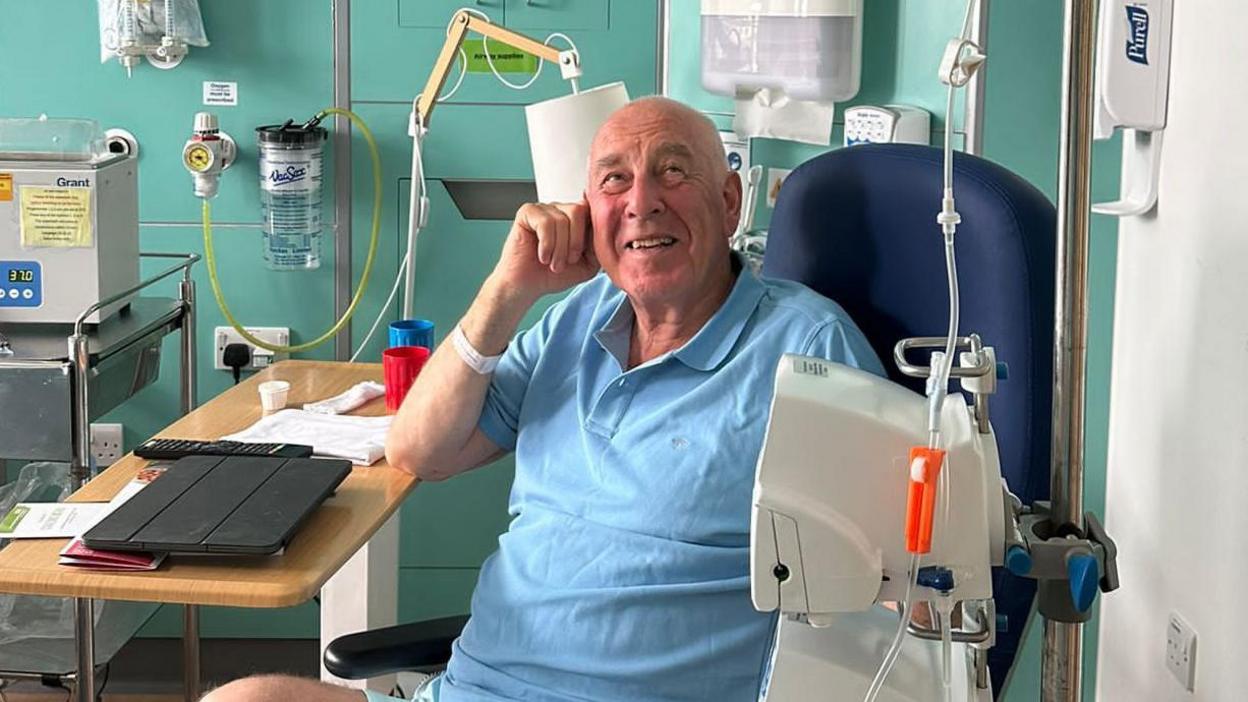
409,459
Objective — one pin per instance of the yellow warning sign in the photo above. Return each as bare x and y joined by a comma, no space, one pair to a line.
6,187
59,217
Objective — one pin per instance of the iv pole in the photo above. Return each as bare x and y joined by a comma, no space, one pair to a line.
1061,667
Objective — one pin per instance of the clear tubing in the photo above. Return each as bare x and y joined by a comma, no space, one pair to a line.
940,383
210,258
949,143
945,614
894,649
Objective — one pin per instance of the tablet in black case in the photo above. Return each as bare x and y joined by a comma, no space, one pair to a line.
220,504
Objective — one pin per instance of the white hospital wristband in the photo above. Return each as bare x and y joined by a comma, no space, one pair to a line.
483,365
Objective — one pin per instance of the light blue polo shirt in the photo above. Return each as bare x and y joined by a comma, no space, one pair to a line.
624,573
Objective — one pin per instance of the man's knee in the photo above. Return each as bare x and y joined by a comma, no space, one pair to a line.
275,688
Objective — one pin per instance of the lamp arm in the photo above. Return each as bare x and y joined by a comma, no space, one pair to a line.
462,23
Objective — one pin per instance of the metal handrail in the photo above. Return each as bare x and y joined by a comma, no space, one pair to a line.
978,636
79,467
188,261
970,343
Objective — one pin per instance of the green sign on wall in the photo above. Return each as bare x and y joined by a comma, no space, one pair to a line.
506,58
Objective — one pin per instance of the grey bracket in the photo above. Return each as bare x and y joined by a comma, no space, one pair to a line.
1068,567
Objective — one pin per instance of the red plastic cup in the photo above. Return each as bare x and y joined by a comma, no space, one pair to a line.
400,365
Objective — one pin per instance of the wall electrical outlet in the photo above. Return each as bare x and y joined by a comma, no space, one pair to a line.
1181,651
260,358
106,440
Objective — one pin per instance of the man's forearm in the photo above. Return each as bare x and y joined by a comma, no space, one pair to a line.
432,435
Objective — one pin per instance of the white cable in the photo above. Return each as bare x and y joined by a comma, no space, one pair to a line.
485,47
463,70
418,180
385,307
966,20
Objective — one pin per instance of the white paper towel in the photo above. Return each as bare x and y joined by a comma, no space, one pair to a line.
771,113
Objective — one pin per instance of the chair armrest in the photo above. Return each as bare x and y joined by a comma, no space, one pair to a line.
391,649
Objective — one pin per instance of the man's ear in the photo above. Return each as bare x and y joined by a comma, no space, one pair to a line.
732,202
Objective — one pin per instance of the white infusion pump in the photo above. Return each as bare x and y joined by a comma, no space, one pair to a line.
890,124
69,237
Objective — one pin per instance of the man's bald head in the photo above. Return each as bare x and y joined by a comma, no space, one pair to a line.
663,203
697,129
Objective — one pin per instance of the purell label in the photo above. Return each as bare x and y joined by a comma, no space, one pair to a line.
1137,34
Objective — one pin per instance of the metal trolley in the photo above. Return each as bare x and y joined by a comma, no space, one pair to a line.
64,383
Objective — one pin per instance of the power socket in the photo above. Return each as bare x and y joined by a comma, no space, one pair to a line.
106,440
1181,651
224,336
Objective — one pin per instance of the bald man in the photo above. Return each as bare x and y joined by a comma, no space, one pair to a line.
636,410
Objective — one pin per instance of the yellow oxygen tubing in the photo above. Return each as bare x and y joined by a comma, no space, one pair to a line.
210,258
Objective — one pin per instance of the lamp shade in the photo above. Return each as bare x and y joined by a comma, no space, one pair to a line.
561,130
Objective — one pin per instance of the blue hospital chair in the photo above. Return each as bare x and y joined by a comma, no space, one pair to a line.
858,225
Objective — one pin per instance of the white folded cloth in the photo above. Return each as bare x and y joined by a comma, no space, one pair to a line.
361,440
359,394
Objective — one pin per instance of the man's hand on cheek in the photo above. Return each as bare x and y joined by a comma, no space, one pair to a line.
549,249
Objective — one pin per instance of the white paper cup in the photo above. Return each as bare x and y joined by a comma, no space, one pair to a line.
273,395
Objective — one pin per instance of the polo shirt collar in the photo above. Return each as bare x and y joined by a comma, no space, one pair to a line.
713,342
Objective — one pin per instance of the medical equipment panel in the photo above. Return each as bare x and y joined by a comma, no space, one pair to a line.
900,124
69,237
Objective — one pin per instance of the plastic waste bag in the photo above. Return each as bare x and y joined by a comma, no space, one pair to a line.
143,22
24,617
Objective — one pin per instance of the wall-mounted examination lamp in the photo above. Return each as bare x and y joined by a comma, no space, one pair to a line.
464,21
560,129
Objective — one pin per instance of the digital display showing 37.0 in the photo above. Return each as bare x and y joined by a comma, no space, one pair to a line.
21,275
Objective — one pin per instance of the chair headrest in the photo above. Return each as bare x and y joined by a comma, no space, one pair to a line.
858,225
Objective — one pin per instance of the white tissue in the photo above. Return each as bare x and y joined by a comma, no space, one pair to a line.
772,113
349,400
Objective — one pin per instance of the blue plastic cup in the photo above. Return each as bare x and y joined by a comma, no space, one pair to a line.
412,332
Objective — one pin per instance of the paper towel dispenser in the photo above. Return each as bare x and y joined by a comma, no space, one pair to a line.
809,49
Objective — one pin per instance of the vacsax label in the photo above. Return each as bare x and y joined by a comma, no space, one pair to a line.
288,175
1137,34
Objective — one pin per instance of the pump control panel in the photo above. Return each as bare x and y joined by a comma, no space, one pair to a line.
21,284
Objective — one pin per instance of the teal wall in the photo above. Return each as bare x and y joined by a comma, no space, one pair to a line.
280,54
449,528
902,44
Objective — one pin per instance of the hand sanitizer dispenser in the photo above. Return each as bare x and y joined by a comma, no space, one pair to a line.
1132,90
810,49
